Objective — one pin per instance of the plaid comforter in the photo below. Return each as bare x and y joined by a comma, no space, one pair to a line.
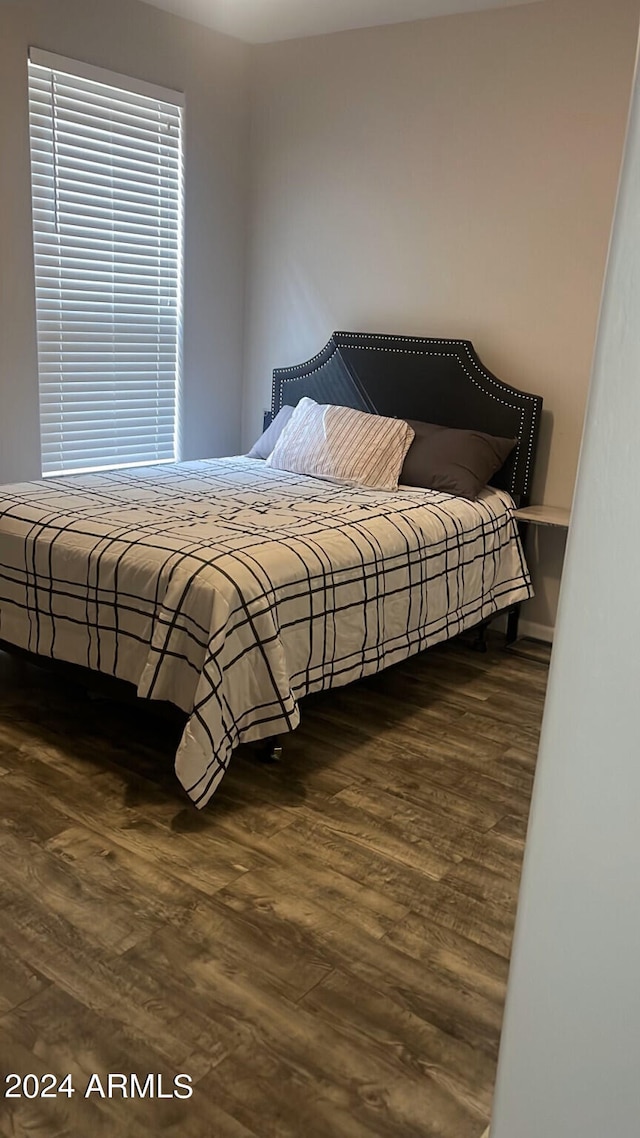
232,589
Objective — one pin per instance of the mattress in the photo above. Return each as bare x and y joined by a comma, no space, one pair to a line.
232,589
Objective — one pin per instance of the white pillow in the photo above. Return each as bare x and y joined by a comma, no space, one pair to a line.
339,442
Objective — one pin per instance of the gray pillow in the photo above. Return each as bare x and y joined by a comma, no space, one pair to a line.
264,445
451,460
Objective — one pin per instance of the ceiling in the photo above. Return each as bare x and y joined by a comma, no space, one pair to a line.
262,21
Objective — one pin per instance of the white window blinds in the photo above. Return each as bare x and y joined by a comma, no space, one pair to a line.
106,163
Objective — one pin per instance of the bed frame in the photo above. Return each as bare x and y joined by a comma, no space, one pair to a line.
431,379
415,377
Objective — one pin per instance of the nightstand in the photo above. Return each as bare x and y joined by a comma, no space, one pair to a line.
544,516
558,516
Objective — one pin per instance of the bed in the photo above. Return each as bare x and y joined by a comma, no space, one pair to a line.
232,589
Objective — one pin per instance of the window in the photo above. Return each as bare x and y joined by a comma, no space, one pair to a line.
106,171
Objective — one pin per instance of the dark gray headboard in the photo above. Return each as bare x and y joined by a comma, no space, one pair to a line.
415,377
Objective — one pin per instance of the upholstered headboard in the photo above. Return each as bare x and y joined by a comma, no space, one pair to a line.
415,377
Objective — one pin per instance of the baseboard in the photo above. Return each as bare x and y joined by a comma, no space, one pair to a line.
535,632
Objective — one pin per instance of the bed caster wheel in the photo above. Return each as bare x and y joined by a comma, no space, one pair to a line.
272,751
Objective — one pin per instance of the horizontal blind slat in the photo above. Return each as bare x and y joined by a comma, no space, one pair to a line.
53,472
97,448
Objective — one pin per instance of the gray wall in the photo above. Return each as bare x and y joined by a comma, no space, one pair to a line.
452,177
570,1053
139,40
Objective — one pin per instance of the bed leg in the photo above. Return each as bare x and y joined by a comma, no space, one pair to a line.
512,624
272,749
479,644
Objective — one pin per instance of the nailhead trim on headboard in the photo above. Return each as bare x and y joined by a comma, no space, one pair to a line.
430,346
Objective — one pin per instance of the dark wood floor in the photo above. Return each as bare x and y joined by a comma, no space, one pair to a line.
323,949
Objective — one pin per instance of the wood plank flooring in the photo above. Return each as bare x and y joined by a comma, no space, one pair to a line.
323,949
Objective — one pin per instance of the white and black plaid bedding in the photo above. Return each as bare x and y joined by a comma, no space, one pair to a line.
232,589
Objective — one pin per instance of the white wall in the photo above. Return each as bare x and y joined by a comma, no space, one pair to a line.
135,39
452,177
570,1054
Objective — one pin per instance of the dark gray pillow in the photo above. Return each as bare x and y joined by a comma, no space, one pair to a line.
264,445
451,460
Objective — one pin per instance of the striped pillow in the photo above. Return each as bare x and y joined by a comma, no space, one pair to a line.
339,442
